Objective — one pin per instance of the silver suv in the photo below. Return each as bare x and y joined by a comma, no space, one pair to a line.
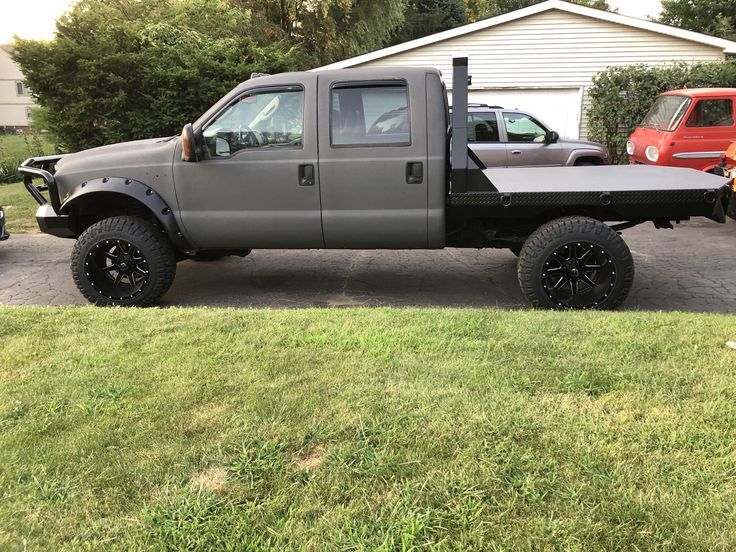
512,138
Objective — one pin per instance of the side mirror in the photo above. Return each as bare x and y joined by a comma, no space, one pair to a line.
552,137
188,147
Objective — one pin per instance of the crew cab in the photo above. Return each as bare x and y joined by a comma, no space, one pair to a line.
502,137
686,128
349,159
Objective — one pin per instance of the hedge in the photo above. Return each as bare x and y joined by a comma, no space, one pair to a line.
621,96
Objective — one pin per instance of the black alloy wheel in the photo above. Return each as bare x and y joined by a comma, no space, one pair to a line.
117,269
575,263
125,260
578,275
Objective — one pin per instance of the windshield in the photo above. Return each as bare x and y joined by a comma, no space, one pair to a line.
666,113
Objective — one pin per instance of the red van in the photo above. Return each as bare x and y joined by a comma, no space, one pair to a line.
686,128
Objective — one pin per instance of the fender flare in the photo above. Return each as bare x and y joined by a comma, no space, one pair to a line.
578,153
136,190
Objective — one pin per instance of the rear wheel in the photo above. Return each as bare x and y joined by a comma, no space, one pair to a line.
123,261
575,263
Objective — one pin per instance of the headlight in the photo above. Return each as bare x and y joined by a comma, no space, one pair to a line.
629,147
652,154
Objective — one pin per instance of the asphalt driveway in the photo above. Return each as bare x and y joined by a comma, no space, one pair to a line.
692,268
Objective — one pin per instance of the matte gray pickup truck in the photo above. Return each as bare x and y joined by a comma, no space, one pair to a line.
350,159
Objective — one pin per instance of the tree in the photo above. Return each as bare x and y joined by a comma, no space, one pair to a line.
713,17
481,9
325,30
426,17
127,69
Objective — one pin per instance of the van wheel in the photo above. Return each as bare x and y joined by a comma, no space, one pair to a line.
123,261
575,263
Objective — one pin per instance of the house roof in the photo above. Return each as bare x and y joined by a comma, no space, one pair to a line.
727,46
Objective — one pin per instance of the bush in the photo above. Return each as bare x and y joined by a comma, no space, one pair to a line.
127,70
621,96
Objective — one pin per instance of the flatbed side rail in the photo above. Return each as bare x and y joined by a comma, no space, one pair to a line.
41,167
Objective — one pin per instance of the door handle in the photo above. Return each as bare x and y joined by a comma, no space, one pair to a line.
306,175
414,173
515,152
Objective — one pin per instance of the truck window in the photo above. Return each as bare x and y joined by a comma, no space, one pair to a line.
483,127
375,115
522,128
261,119
711,113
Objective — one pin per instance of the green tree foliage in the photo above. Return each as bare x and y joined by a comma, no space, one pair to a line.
713,17
324,31
621,96
426,17
127,69
481,9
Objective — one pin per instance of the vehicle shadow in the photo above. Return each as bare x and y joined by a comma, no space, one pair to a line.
447,278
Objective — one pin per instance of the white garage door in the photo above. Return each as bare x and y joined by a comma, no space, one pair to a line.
558,108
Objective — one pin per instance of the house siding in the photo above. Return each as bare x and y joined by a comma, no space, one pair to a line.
12,105
552,49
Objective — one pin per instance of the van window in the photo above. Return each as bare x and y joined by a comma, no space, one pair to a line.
483,127
711,113
666,113
376,115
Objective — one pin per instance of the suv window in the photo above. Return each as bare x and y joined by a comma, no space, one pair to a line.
260,119
370,115
711,113
483,127
523,128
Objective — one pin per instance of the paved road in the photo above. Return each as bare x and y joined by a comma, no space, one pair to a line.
692,268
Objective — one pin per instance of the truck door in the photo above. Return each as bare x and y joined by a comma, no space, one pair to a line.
525,142
373,160
257,185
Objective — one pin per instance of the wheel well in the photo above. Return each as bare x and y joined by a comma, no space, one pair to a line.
91,208
589,159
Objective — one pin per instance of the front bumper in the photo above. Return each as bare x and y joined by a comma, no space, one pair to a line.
47,217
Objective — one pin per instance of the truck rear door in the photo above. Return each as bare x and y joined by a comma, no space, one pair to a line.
373,160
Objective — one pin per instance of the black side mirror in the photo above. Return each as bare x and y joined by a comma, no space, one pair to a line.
552,137
188,145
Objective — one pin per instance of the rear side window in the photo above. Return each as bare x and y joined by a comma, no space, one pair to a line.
711,113
375,115
483,127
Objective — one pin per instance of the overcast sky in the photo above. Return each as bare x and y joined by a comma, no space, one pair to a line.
35,18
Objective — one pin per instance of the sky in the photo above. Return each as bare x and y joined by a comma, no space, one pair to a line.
35,18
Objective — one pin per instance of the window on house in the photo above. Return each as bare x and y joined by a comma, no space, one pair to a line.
711,113
21,89
375,115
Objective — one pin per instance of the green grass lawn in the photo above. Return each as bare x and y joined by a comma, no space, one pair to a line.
15,146
20,208
380,429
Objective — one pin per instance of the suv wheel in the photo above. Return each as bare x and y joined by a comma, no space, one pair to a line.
123,261
575,263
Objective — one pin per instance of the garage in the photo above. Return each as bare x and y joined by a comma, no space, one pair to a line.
557,108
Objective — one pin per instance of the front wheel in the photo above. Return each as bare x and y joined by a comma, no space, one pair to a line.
123,261
575,263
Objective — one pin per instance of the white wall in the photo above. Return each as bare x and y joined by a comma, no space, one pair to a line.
12,106
552,49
